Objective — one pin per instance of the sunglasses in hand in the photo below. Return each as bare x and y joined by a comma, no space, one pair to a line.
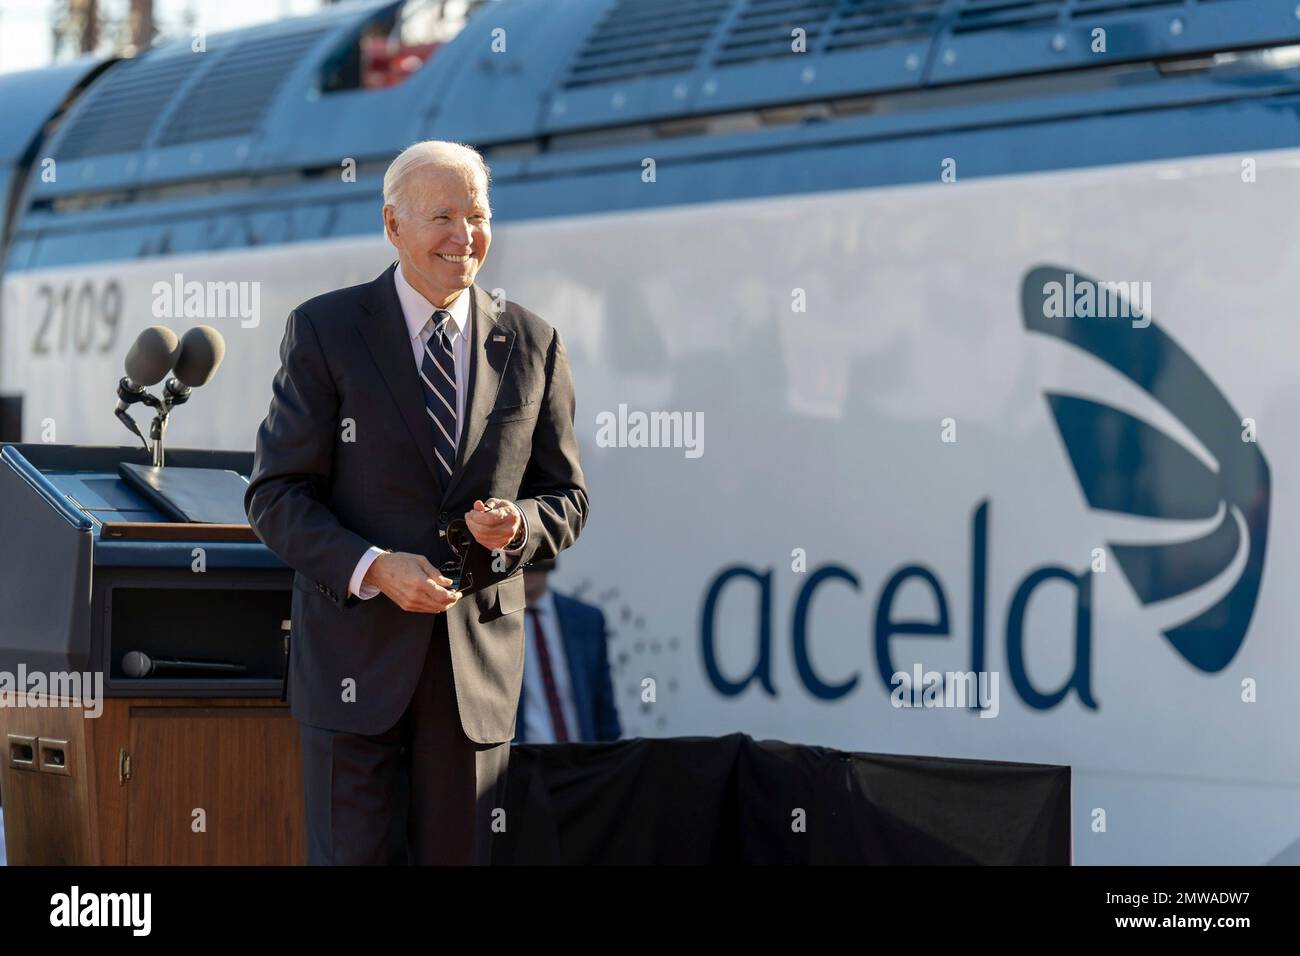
461,542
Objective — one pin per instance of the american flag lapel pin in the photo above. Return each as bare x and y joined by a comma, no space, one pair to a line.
498,338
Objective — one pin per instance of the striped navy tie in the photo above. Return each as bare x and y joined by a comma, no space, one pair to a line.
438,375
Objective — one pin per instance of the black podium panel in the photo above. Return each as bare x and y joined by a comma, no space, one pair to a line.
90,571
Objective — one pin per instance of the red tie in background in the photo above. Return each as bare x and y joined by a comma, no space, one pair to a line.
548,678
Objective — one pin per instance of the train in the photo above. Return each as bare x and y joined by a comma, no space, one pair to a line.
966,327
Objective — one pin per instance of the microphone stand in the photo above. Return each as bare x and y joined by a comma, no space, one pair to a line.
174,393
128,396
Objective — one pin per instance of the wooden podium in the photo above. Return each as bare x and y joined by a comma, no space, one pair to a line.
153,781
172,768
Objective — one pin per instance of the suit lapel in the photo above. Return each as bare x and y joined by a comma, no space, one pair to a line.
385,333
490,349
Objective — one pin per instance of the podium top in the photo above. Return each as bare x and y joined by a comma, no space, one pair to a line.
82,485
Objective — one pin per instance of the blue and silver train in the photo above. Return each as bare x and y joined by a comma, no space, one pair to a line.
981,314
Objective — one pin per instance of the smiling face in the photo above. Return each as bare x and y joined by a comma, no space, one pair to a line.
443,232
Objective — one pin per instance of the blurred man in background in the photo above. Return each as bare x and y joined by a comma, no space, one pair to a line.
567,693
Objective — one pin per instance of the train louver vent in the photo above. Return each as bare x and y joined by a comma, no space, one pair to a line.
1092,8
118,116
765,28
234,95
976,15
640,38
874,23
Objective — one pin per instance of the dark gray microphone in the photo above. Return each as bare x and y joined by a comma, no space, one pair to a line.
139,664
201,351
150,357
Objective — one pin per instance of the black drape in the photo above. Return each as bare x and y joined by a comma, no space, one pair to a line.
699,800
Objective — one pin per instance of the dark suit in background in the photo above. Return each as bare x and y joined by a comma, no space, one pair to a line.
590,690
392,702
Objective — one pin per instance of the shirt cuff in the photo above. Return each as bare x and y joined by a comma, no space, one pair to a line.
364,591
522,541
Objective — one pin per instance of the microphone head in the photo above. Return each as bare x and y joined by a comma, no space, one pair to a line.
136,664
151,355
202,349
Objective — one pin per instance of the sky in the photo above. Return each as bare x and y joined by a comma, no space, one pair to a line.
25,42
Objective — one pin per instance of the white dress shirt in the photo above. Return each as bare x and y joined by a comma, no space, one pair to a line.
417,310
538,726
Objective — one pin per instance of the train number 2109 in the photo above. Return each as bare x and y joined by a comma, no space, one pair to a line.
78,317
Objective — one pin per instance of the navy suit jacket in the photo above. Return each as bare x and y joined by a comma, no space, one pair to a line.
346,459
582,631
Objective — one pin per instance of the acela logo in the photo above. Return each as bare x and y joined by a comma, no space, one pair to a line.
1126,466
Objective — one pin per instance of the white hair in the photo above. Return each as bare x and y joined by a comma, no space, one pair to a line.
430,152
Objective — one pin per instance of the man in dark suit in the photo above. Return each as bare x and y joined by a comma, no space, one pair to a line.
400,405
567,693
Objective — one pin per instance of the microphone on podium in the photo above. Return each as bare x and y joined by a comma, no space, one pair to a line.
195,356
198,357
140,664
150,357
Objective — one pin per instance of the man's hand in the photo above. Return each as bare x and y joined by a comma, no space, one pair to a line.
411,582
494,524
